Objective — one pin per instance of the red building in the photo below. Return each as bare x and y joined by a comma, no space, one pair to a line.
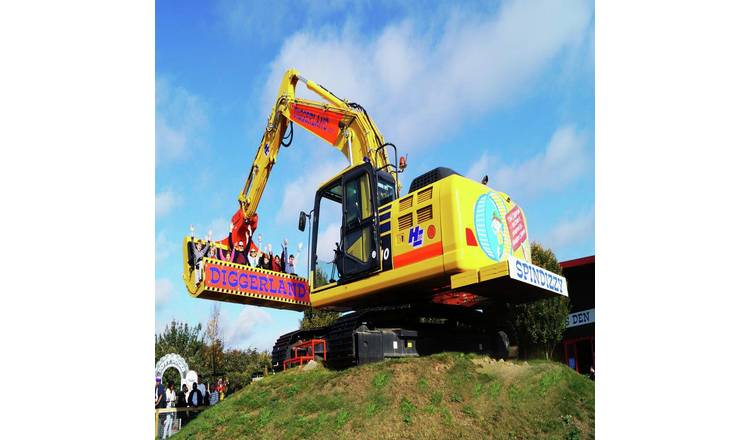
577,348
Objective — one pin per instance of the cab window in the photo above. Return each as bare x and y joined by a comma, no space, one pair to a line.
358,206
329,224
386,189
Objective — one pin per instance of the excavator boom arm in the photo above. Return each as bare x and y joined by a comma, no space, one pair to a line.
345,126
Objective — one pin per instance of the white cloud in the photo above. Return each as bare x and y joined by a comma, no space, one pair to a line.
562,162
219,228
163,292
481,167
327,242
420,87
166,201
255,20
570,231
299,194
164,246
238,332
180,120
250,19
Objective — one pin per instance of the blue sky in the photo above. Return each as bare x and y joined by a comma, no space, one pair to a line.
504,89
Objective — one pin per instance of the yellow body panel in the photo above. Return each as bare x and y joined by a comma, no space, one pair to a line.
462,204
448,258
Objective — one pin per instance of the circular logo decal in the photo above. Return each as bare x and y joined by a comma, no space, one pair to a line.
489,222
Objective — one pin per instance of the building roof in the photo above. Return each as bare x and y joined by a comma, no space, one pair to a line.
577,262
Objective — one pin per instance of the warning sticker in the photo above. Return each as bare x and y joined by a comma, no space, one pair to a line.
517,227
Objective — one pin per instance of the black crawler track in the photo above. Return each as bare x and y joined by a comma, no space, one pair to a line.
437,328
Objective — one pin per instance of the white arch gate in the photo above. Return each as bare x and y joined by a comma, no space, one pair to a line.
174,360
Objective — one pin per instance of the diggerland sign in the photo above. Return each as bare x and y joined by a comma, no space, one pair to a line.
256,282
324,123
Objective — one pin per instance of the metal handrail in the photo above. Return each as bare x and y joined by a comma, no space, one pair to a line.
160,411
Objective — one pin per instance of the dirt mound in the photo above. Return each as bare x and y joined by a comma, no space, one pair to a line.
508,370
449,395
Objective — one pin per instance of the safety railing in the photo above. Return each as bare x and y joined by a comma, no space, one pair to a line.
308,349
169,421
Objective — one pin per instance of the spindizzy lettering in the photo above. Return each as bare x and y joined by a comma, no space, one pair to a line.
538,276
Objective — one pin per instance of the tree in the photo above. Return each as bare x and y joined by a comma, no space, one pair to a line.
320,277
214,349
239,366
205,353
185,340
318,318
542,322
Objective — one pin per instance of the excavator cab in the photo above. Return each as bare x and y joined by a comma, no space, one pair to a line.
345,230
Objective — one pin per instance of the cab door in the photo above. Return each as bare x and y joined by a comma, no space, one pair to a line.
360,248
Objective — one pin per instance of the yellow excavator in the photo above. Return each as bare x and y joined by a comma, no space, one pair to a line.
432,270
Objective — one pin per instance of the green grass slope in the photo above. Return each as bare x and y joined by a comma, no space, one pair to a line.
442,396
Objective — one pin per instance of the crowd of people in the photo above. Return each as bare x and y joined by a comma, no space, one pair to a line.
242,251
198,396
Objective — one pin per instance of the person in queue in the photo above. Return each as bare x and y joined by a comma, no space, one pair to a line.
207,395
160,401
182,397
201,386
221,388
171,400
214,396
195,398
